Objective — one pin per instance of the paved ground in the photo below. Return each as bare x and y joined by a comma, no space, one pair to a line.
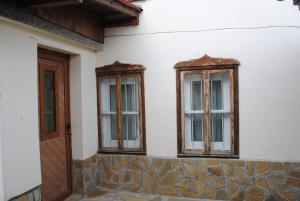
110,195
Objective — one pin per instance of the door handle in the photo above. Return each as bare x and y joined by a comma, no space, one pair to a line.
68,128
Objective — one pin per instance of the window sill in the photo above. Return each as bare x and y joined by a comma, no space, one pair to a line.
189,155
123,152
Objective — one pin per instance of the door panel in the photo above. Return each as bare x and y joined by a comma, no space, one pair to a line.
54,116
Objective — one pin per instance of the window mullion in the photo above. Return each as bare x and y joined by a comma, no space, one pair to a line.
232,111
207,135
126,98
119,112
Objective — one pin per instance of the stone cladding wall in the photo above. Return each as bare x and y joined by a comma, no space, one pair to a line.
32,195
224,179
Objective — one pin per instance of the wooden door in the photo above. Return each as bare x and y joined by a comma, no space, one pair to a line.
55,145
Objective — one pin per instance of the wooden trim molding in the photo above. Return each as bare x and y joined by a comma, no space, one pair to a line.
207,65
118,71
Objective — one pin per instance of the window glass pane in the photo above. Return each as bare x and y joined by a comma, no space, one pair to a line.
217,127
193,104
220,91
220,111
129,93
113,98
216,94
130,130
197,91
109,124
108,95
130,97
124,126
193,92
124,97
197,127
130,114
114,126
49,92
129,125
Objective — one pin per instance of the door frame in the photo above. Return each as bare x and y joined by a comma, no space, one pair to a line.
65,60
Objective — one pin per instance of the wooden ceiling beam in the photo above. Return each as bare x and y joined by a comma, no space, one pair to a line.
55,4
116,6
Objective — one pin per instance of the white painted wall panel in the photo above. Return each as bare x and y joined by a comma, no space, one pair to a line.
1,163
20,137
19,103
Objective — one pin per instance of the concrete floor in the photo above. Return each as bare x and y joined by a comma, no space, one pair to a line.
112,195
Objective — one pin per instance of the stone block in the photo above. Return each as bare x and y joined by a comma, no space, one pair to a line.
184,183
295,174
212,162
220,184
170,191
239,196
215,171
239,172
280,166
262,167
238,163
254,191
211,193
293,182
291,196
277,180
190,169
250,169
165,168
261,182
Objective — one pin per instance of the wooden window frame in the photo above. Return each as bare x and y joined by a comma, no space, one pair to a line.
55,133
206,65
119,70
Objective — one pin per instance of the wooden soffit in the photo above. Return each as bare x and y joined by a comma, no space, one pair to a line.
104,7
207,61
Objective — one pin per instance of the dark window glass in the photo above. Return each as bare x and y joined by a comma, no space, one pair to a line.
216,95
49,92
197,122
217,127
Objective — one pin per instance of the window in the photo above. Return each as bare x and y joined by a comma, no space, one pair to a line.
207,107
121,117
49,98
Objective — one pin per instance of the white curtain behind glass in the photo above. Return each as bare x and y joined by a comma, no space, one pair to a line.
130,112
194,111
220,111
109,112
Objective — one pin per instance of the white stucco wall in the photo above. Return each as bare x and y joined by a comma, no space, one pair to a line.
1,168
174,30
19,103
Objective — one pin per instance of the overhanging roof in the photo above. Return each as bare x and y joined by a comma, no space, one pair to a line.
82,21
115,12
